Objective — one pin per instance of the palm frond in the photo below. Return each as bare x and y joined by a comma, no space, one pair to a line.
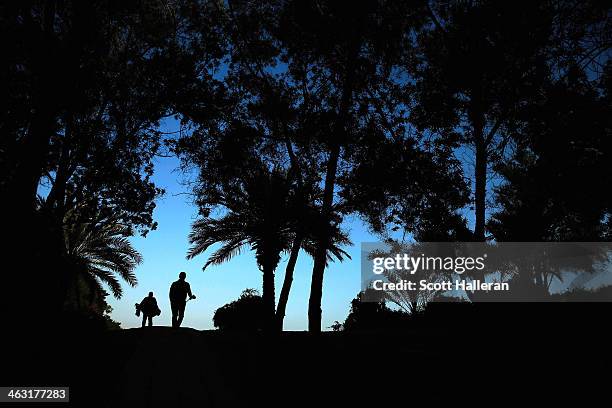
225,253
109,279
102,250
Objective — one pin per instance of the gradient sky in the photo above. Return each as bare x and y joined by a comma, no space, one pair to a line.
164,252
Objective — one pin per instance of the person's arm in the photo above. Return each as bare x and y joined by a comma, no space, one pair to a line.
189,291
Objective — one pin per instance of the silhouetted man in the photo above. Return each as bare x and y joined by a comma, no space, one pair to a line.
179,290
148,307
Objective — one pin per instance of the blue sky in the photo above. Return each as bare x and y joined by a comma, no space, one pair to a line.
164,252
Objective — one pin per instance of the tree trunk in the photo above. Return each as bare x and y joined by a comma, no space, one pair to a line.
57,194
339,138
320,256
268,297
284,295
480,193
477,118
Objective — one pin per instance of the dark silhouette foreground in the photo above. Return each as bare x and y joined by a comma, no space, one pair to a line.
534,351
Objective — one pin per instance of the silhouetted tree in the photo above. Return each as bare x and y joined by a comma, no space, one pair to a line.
404,184
556,183
273,121
110,65
99,252
340,58
318,83
306,232
476,62
256,215
260,210
89,83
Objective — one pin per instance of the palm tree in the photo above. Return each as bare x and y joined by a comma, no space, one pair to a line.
307,226
257,215
268,215
99,253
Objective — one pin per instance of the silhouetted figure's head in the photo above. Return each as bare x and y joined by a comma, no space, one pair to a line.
182,275
150,294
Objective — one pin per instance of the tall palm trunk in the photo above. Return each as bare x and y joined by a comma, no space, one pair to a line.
284,295
268,296
320,256
339,136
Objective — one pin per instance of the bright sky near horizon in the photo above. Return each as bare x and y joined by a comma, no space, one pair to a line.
164,253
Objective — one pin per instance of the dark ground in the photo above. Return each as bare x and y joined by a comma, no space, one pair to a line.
521,353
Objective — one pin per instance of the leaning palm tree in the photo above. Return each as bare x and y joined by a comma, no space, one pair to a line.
99,253
306,226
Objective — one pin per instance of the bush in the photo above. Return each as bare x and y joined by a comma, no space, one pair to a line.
243,314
